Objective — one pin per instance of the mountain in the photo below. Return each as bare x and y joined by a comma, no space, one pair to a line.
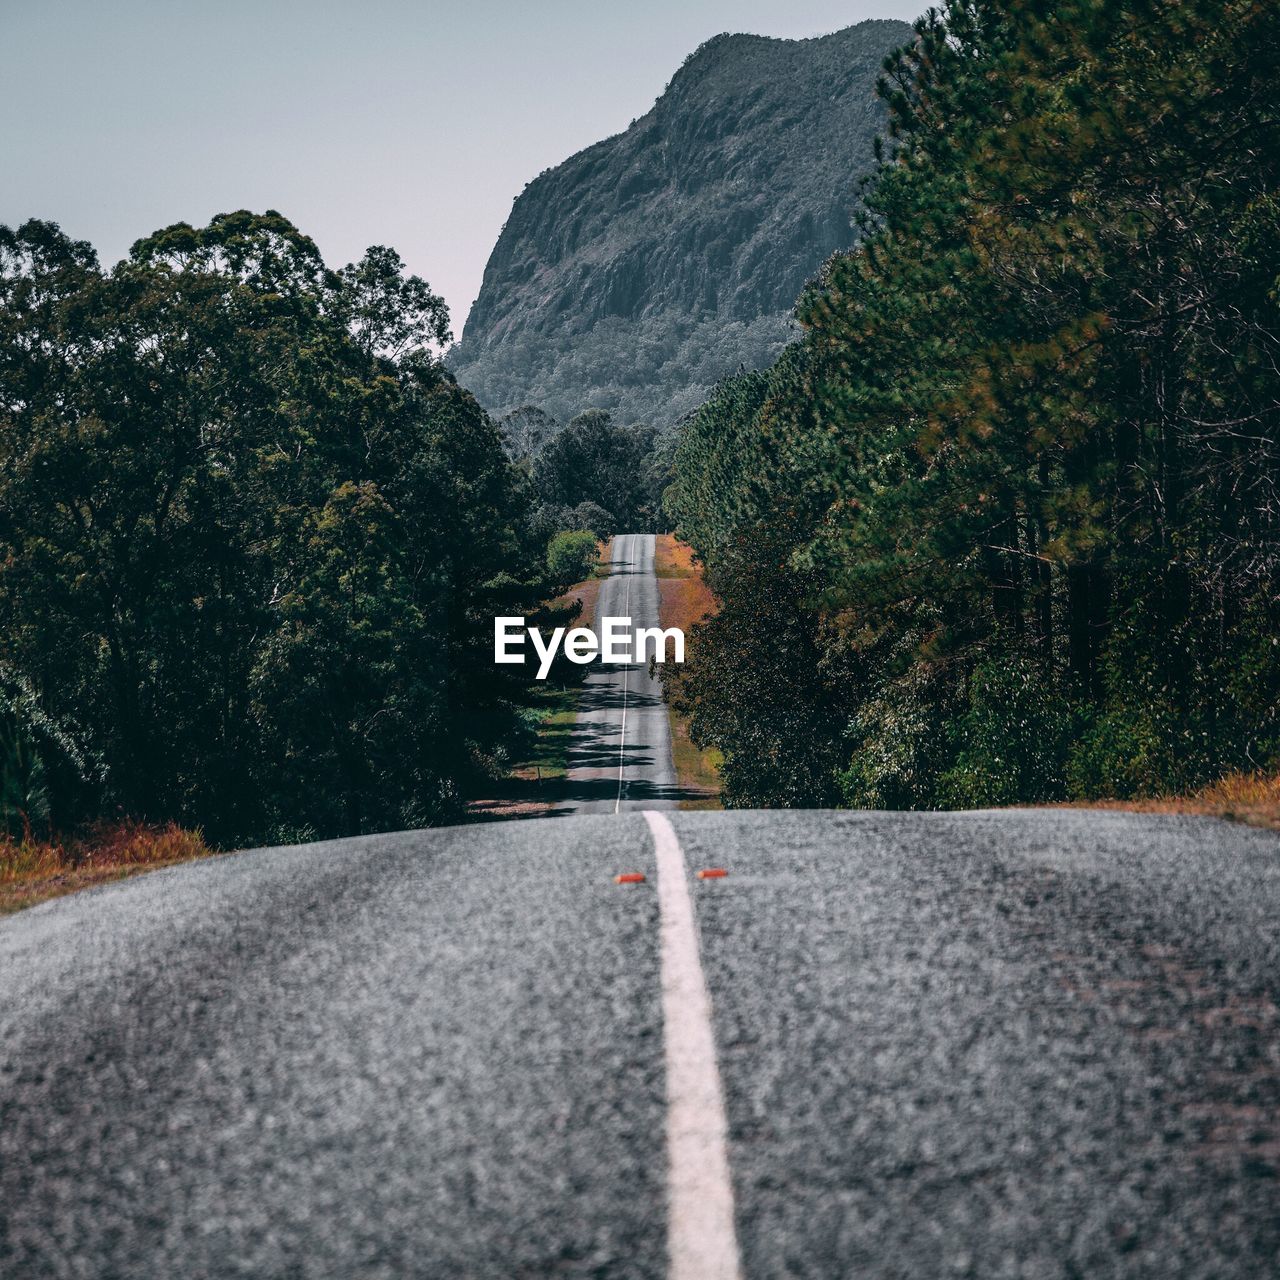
640,271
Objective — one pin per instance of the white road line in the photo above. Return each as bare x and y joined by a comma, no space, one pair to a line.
622,736
701,1241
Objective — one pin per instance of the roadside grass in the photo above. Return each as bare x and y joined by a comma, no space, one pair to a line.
34,870
1253,798
675,559
696,770
683,599
559,711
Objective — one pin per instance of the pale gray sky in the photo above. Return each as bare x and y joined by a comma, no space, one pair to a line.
413,124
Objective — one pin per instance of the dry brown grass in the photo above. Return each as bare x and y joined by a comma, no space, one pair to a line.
33,870
675,559
684,599
1242,797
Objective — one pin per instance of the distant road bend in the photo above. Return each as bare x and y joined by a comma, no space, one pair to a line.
993,1044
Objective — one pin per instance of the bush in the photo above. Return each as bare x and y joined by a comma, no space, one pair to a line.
899,738
1011,742
1117,756
572,556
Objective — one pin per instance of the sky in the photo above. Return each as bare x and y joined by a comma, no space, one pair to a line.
380,122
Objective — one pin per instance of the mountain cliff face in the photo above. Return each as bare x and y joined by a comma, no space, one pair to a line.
637,273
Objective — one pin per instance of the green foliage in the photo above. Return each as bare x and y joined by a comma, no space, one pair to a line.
1010,738
1118,753
896,753
1027,452
386,312
252,534
572,556
592,461
592,516
754,684
550,518
24,795
43,772
713,463
598,477
526,430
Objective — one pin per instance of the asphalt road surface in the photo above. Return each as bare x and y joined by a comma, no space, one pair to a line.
620,757
1032,1044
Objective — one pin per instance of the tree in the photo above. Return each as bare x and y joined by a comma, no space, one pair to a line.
526,430
593,461
592,516
251,533
1030,438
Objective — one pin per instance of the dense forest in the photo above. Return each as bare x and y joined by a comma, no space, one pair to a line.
252,540
1003,524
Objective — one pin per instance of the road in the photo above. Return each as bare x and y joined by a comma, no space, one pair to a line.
620,757
1015,1044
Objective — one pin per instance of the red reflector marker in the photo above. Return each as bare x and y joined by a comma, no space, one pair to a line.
712,873
629,877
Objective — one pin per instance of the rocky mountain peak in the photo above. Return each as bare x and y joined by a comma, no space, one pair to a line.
641,270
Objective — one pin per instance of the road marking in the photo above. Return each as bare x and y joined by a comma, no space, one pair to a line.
701,1241
622,738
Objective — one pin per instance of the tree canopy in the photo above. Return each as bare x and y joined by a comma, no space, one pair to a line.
252,534
1023,462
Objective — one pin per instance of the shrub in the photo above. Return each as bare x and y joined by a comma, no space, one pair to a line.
572,556
1010,741
1119,754
898,738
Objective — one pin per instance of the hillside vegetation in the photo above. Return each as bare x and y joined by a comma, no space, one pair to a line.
639,272
1003,524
